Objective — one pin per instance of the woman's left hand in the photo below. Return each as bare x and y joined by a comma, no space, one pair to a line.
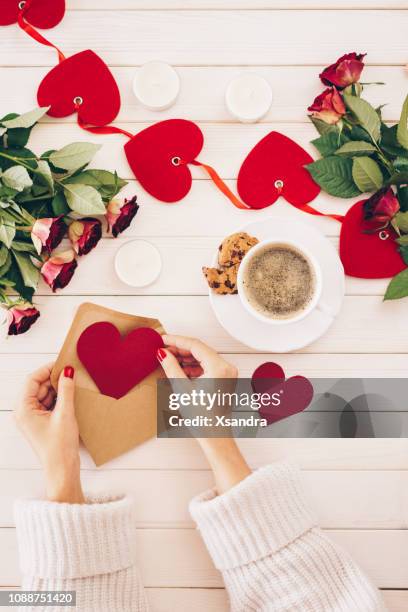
48,422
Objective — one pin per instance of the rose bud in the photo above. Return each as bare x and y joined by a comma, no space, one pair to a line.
345,71
380,209
85,235
119,216
21,317
329,106
58,270
48,233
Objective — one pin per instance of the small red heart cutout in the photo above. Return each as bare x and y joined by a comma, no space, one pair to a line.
118,364
86,77
155,155
368,255
275,167
43,14
295,393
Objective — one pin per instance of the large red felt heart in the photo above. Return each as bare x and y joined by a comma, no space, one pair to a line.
275,167
295,393
368,255
41,13
155,154
118,364
85,76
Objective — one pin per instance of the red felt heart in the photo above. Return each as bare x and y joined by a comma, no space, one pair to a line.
40,14
295,393
154,155
118,364
367,255
85,76
276,158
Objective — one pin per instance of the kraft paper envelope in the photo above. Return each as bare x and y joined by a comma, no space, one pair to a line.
109,427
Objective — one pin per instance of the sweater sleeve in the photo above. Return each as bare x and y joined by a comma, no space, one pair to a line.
87,548
273,557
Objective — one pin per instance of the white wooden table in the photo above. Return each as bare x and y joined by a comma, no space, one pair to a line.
359,487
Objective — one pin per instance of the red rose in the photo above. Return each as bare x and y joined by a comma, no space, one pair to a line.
85,235
58,270
20,318
345,71
48,233
119,216
380,209
329,106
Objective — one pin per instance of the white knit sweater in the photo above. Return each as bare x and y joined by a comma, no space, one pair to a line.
260,534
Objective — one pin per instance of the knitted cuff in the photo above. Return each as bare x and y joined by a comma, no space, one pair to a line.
254,519
59,540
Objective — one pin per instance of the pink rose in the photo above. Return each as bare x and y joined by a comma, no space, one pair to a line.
379,210
345,71
48,233
85,235
58,270
119,216
20,318
329,106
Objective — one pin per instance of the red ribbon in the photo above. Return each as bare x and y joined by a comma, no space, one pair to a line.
28,29
107,129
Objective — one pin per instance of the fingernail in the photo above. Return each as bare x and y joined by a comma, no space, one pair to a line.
161,354
69,372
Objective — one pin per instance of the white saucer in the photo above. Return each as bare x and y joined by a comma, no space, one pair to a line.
239,323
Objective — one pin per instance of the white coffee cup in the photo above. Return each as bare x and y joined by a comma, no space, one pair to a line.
313,302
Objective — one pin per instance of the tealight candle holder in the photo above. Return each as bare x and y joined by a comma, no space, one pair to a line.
138,263
248,97
156,85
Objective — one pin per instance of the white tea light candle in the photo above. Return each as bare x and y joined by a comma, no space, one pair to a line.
138,263
156,85
248,97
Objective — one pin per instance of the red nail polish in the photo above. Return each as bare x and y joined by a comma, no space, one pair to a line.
69,372
161,354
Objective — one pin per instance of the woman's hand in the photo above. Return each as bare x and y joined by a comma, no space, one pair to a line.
48,422
191,358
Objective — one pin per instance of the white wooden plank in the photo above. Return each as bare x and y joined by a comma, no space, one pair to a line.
365,324
203,89
218,37
233,4
203,600
340,499
178,558
181,274
177,454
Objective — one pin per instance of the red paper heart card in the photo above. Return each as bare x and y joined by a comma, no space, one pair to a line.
118,364
84,84
368,255
295,394
39,13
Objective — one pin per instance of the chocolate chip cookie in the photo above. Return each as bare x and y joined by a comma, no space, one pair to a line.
222,280
234,248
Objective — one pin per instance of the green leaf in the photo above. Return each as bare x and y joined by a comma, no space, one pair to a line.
356,148
400,163
401,221
402,129
84,200
399,178
404,253
107,183
403,198
21,246
26,120
329,143
74,155
3,254
367,174
29,272
366,115
14,275
17,178
59,204
357,133
7,232
398,287
25,155
403,240
322,127
5,267
45,175
334,175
